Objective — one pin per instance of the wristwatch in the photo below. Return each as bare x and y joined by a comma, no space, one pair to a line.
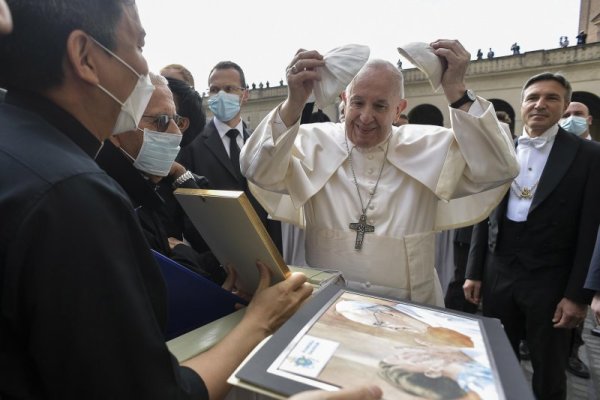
467,97
187,175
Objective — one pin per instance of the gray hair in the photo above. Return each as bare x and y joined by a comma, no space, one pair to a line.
397,77
550,76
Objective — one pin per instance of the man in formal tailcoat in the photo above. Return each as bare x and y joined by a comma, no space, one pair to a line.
537,244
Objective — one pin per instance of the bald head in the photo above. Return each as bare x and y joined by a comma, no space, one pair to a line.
574,111
578,109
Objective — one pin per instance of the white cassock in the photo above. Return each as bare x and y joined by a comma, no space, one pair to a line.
433,179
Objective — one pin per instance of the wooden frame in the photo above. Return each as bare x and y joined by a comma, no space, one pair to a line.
233,231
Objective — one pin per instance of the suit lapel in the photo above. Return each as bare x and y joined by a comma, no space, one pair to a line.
215,145
560,159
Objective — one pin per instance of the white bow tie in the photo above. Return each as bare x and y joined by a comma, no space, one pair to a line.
536,142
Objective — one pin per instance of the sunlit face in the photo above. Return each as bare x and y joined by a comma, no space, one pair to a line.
372,105
543,105
161,103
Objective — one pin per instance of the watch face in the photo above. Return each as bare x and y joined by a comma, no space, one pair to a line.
471,95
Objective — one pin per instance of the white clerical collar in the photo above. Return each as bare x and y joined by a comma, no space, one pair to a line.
378,147
223,128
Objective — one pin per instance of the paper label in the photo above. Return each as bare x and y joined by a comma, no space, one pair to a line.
309,356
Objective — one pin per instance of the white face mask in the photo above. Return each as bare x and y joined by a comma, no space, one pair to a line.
135,104
158,152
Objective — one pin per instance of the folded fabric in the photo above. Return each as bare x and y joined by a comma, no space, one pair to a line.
421,55
341,65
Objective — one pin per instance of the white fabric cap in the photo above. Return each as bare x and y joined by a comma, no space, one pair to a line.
341,65
421,55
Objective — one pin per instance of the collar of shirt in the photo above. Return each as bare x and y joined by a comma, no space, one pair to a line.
547,136
223,128
57,117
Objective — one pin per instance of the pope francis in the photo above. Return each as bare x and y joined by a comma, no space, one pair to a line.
372,195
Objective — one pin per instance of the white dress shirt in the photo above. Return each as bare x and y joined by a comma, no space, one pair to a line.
532,160
223,128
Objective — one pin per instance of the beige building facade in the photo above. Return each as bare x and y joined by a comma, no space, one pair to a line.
498,80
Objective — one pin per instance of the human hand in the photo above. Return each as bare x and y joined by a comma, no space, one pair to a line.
596,307
301,75
456,64
176,170
472,290
370,392
569,314
174,242
271,306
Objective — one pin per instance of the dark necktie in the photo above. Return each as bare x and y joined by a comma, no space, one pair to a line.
234,150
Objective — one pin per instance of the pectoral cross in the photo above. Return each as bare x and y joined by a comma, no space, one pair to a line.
361,227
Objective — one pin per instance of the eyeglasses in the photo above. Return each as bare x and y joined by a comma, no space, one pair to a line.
227,89
162,121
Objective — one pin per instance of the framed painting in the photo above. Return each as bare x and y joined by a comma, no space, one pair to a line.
412,351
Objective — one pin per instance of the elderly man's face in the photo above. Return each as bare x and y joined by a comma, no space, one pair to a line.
161,104
5,19
371,107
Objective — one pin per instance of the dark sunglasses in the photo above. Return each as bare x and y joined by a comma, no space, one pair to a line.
162,121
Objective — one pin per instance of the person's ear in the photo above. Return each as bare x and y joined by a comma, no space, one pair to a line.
401,107
81,54
245,95
185,124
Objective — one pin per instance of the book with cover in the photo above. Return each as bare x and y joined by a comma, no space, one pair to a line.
193,300
233,231
343,338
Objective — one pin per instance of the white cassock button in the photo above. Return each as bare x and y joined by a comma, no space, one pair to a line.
371,207
367,284
370,156
370,171
371,222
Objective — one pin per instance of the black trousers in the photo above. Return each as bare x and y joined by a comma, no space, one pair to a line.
455,296
525,302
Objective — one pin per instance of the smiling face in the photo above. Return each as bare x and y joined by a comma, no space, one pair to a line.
373,103
544,103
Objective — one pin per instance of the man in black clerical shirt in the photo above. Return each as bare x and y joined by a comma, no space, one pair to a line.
83,302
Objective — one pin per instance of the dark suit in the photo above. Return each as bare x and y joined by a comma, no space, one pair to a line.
455,298
593,279
207,156
530,266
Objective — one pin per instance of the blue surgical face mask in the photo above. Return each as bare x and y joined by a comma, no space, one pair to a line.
157,153
574,124
224,106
